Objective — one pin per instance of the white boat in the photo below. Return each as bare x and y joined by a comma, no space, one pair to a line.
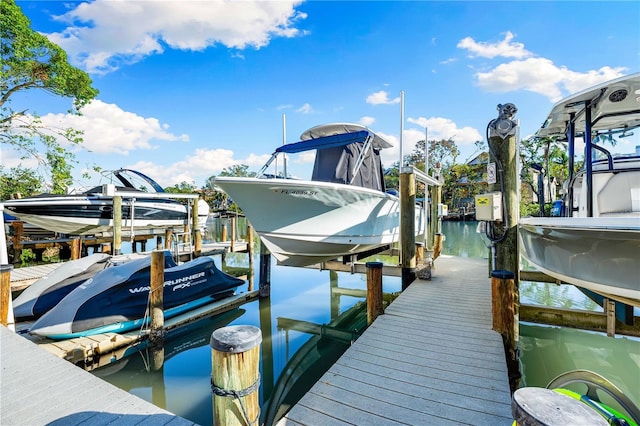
145,205
596,244
343,210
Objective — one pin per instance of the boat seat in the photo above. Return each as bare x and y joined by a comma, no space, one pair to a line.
620,196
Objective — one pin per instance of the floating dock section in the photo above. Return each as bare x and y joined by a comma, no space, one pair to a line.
431,358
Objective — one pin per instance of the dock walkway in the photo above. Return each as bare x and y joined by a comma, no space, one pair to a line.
58,392
431,359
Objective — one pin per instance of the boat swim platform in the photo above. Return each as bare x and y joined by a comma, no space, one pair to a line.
430,359
58,392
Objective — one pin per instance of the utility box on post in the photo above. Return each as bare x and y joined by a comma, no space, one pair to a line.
489,207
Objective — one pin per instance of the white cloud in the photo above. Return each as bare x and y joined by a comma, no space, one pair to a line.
542,76
110,130
196,167
381,97
305,109
505,48
104,34
367,121
534,74
444,128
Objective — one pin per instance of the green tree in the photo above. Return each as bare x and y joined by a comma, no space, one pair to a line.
238,170
30,61
19,181
548,154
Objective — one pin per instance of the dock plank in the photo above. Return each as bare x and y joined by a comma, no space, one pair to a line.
58,392
431,358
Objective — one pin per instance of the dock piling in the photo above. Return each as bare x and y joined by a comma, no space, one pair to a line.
6,314
540,406
374,291
156,298
264,286
117,225
407,227
235,376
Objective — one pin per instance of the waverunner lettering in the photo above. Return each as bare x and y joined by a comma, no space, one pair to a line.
177,283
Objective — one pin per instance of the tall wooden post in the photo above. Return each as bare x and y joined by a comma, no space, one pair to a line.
156,334
224,236
264,287
6,314
117,225
251,254
504,151
232,245
197,235
168,235
374,291
18,227
435,193
235,375
76,248
407,227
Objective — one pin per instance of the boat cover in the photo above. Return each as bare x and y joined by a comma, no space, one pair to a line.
120,294
336,158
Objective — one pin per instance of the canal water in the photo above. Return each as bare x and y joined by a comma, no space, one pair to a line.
182,384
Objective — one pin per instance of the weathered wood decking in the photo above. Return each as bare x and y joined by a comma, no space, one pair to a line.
38,388
431,359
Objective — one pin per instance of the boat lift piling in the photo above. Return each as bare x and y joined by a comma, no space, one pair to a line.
156,298
502,144
117,225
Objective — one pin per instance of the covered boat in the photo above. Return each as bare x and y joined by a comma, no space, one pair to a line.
596,245
145,205
116,299
46,292
343,210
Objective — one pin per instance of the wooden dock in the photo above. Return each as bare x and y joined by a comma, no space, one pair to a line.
430,359
58,392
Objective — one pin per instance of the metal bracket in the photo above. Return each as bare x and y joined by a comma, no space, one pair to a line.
504,126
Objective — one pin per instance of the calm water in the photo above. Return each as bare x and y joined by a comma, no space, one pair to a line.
182,384
546,352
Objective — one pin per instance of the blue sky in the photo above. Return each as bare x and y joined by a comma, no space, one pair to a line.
188,88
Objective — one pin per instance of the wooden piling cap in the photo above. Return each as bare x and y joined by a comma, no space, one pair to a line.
540,406
235,339
374,265
502,274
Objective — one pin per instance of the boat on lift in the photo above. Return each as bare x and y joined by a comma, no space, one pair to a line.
145,205
596,245
343,210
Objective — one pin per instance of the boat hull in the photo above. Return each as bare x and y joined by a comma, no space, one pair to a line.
306,222
116,299
599,254
82,215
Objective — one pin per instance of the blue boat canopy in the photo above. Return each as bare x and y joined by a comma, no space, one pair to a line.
325,142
